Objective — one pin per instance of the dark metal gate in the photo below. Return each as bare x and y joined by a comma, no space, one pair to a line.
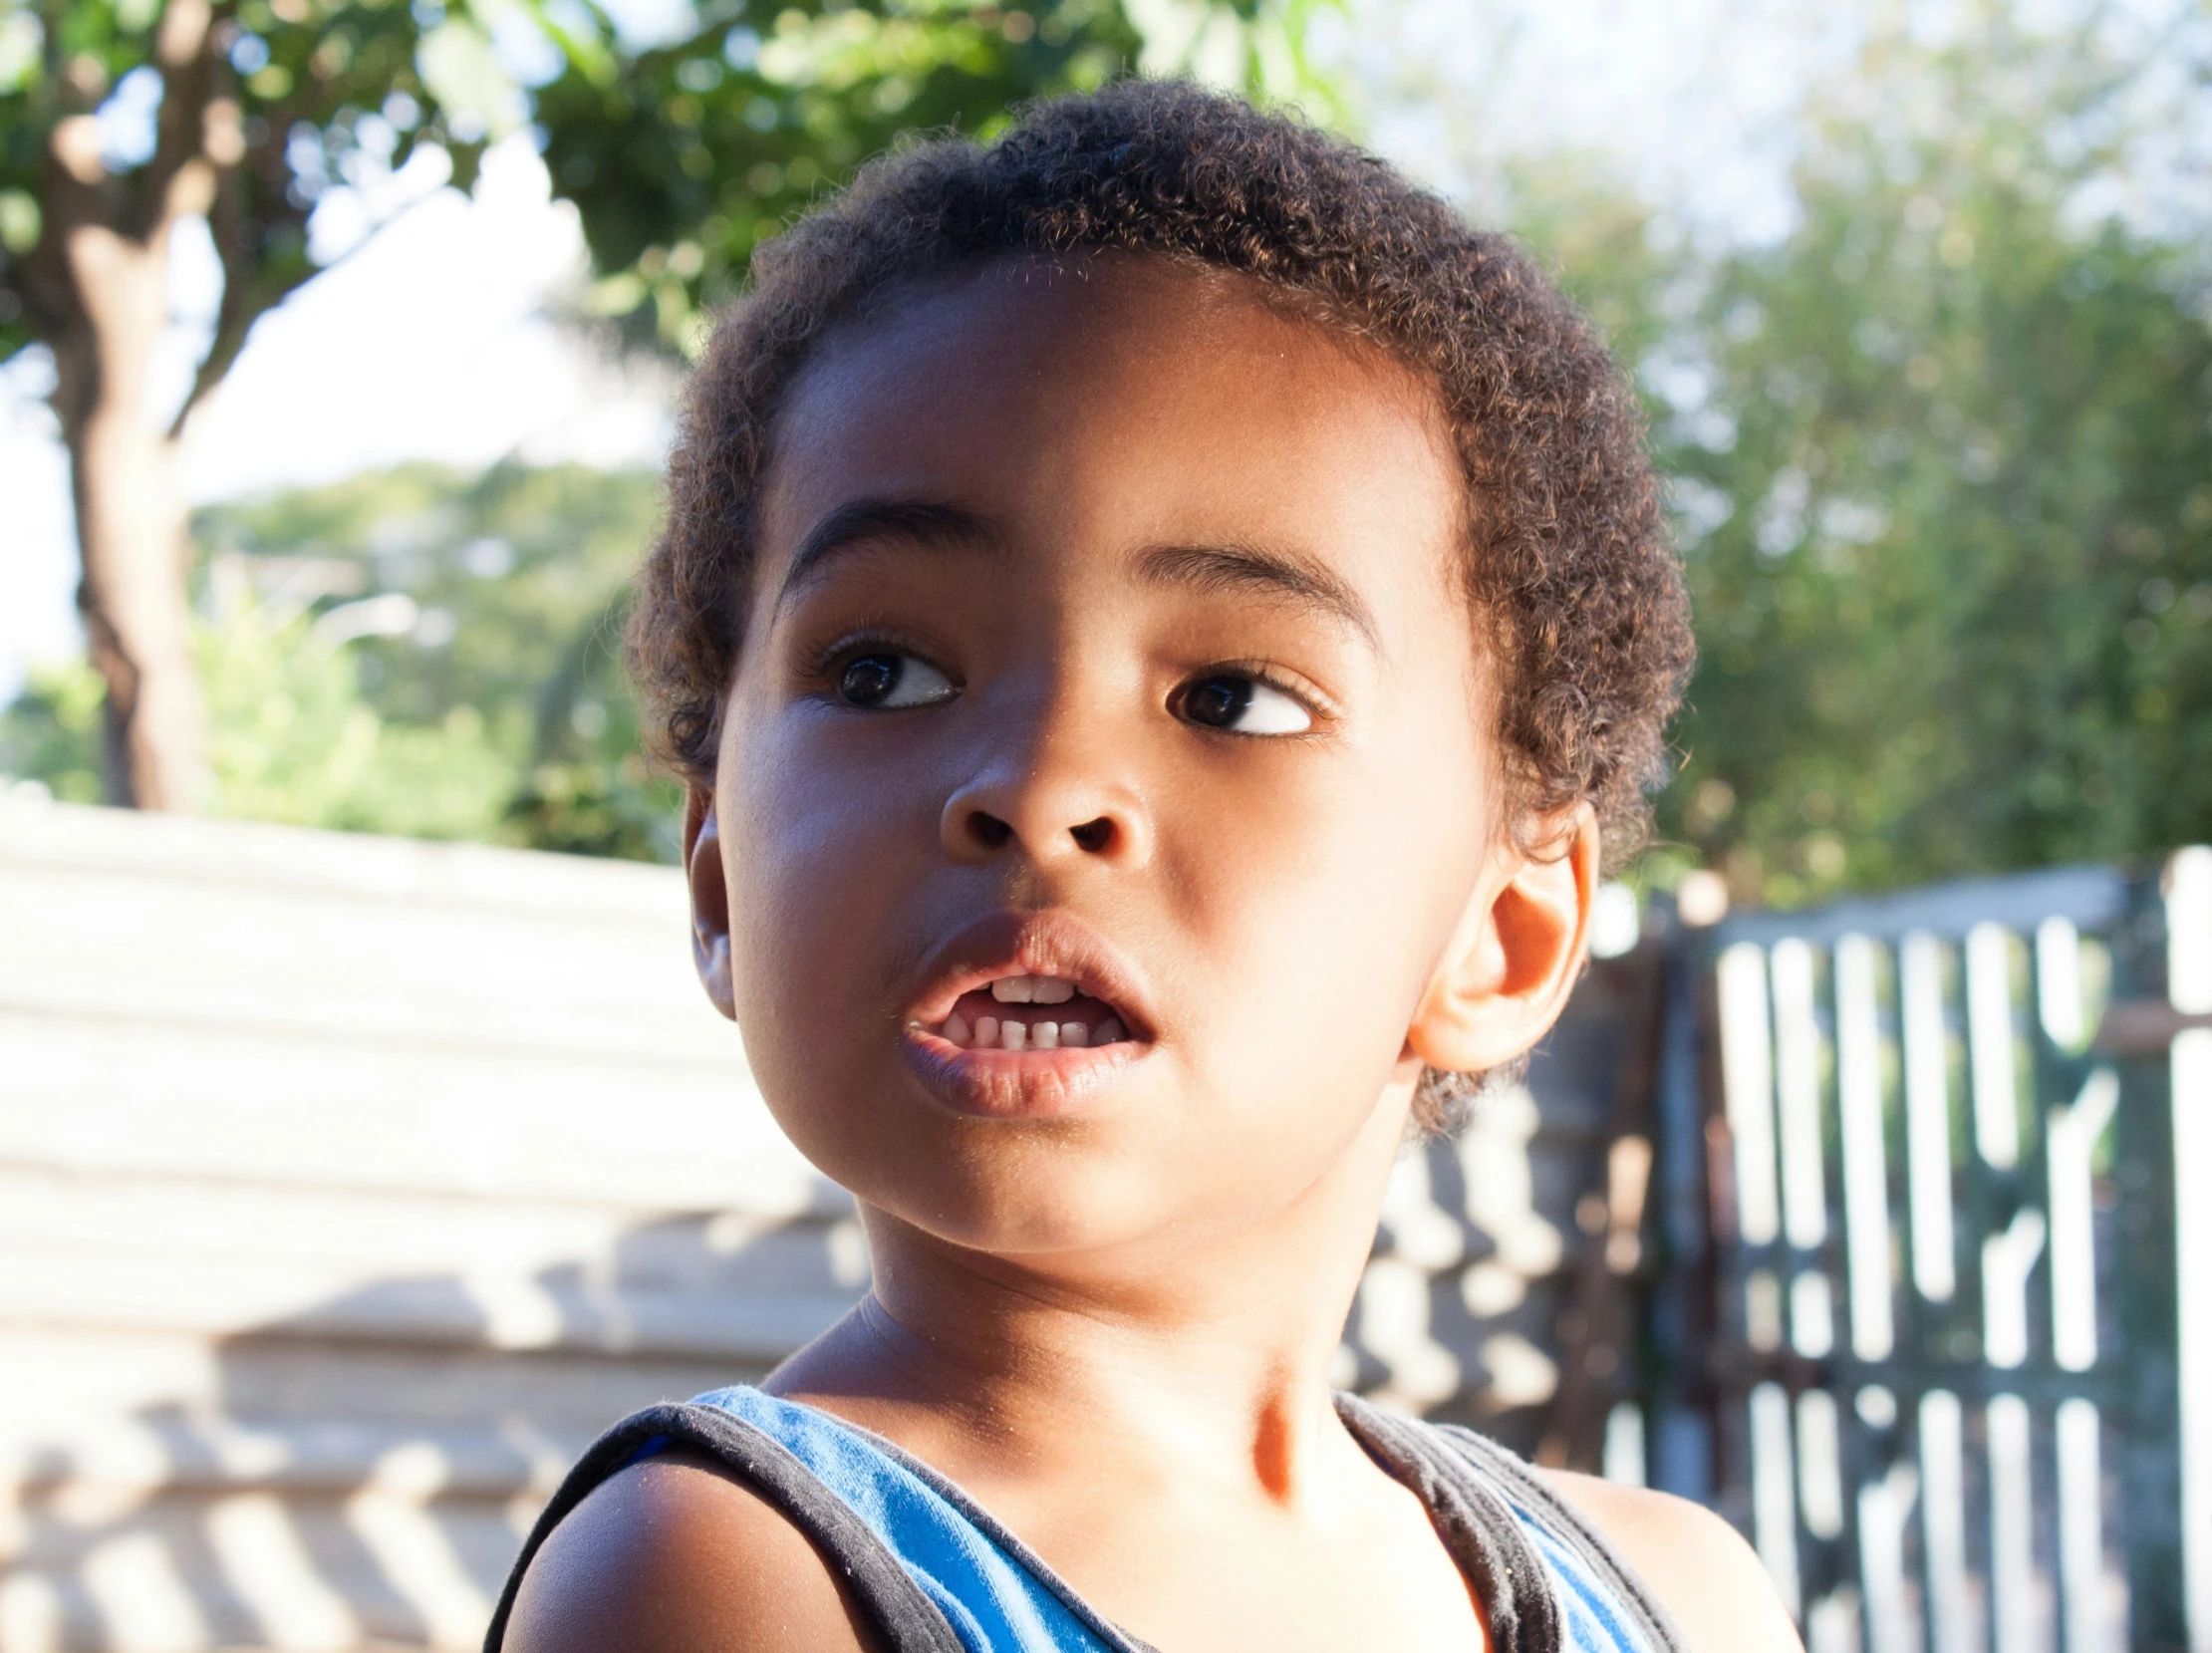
1931,1315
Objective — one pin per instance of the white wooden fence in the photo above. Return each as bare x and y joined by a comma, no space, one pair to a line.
1955,1267
348,1187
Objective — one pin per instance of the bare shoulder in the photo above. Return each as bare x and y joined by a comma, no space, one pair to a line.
1697,1564
672,1555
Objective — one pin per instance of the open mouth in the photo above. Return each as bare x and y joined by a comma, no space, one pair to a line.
1028,1015
1030,1012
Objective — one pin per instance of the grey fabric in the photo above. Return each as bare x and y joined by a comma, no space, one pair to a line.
1534,1494
903,1619
1477,1526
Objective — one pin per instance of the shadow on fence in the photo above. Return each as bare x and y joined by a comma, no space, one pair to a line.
364,1469
1934,1321
1874,1227
359,1475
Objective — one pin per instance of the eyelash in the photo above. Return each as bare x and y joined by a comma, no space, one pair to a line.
827,663
1279,679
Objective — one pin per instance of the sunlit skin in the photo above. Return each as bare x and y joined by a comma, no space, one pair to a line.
1108,622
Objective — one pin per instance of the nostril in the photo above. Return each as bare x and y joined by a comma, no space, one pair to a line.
988,830
1094,836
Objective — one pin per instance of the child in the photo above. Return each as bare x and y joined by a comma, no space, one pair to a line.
1153,613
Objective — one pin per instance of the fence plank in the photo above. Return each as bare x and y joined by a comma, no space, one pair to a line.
2072,1135
1981,1458
1804,1194
1865,1156
2192,1175
1927,1116
1989,1024
1747,1065
2082,1527
1943,1523
1773,1491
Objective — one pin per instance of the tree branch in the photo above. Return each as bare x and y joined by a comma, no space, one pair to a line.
186,56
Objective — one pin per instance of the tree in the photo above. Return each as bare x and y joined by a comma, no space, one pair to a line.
1943,457
478,622
480,617
410,651
690,154
120,120
696,152
1941,466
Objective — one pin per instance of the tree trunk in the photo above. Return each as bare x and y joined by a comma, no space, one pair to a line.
97,288
132,525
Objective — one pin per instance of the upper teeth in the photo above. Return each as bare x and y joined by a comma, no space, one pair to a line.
1033,990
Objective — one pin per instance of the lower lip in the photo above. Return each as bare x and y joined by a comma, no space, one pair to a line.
1018,1084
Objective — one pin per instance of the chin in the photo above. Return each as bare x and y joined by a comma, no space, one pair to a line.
1010,1188
1032,1194
1144,1167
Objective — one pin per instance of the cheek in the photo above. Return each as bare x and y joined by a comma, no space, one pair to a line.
1328,913
819,852
820,867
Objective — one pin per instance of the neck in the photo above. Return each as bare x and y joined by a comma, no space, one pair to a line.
1164,1360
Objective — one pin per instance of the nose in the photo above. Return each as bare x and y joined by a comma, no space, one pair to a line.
1055,807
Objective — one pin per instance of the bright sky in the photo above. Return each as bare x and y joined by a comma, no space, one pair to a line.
433,339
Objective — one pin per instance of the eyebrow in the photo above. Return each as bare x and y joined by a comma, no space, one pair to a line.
1234,568
924,523
1215,569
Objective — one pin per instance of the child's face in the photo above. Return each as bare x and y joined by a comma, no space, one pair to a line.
1106,625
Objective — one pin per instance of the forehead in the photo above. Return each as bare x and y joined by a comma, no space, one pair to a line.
1115,403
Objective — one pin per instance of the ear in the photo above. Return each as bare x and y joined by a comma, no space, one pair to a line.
703,867
1515,957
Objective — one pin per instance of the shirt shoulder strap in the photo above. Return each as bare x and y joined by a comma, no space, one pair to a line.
1605,1588
1520,1610
904,1618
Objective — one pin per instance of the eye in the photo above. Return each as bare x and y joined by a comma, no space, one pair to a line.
1242,705
885,679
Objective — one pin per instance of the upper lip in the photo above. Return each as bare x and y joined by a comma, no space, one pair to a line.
1045,942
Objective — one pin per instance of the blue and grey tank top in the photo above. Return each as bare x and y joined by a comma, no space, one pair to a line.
934,1572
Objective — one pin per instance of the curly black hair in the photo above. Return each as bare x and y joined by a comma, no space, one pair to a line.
1568,570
